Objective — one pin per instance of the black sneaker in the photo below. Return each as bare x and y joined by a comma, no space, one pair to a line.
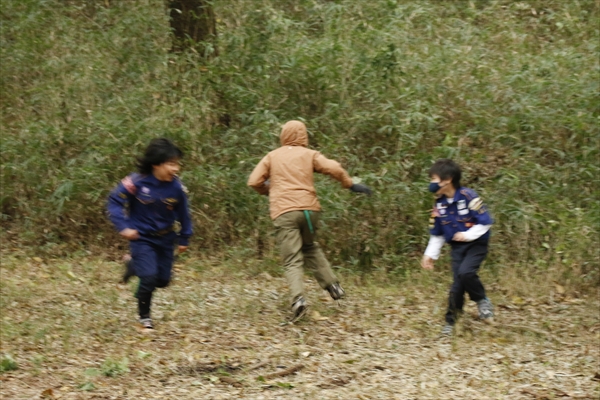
299,308
146,323
129,272
335,291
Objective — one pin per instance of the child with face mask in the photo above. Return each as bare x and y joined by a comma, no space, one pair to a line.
460,219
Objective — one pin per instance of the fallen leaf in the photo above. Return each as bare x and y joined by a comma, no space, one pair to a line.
37,259
518,301
48,394
318,317
559,289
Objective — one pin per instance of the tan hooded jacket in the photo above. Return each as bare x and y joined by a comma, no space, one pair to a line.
289,170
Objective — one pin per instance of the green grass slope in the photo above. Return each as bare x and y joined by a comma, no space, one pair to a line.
508,89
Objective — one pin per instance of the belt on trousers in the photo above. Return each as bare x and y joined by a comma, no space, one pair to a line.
162,232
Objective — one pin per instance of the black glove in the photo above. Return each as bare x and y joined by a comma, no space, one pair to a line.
360,188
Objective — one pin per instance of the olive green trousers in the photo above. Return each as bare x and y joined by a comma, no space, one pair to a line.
296,231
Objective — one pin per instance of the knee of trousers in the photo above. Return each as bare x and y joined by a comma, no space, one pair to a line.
148,283
467,276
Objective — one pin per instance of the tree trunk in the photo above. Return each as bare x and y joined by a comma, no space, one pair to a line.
194,26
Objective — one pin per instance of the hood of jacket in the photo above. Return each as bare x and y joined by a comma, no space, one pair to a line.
294,133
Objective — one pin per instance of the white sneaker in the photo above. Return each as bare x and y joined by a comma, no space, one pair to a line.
146,323
486,310
447,330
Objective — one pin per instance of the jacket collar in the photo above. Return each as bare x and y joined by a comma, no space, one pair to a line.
444,199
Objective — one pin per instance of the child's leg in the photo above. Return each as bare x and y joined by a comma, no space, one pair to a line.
314,258
289,240
474,255
145,264
456,297
165,258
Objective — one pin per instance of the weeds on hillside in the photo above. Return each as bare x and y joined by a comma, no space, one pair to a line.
508,89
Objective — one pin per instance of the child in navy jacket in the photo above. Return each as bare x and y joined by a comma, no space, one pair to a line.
144,208
461,219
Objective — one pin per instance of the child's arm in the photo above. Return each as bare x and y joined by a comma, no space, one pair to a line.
474,233
260,175
480,214
436,241
185,220
433,250
118,201
434,247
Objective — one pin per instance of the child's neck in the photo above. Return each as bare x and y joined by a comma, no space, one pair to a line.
451,192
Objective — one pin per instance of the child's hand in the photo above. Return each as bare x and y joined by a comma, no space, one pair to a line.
459,237
427,263
130,234
182,249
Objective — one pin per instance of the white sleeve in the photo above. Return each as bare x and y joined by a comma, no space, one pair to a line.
434,247
476,232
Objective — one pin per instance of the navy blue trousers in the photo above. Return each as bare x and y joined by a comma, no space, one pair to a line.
466,260
152,260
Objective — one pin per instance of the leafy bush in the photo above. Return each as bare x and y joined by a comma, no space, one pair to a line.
508,89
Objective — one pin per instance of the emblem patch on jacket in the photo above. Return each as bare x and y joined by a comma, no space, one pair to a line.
475,204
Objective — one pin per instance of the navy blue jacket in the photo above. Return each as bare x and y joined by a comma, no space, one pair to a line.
150,206
459,215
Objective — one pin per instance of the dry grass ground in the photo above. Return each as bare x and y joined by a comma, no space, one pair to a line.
71,330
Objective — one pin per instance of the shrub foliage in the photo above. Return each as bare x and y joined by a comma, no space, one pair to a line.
508,89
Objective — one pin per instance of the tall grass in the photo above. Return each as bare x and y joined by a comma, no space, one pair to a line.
508,89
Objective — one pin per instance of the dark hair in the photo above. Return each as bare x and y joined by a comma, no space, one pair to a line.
446,169
158,151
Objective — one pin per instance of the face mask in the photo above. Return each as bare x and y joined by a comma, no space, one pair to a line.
434,187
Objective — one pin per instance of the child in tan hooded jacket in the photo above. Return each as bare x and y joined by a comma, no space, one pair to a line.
286,176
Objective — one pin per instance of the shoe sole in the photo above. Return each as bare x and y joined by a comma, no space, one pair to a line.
339,297
141,329
301,312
